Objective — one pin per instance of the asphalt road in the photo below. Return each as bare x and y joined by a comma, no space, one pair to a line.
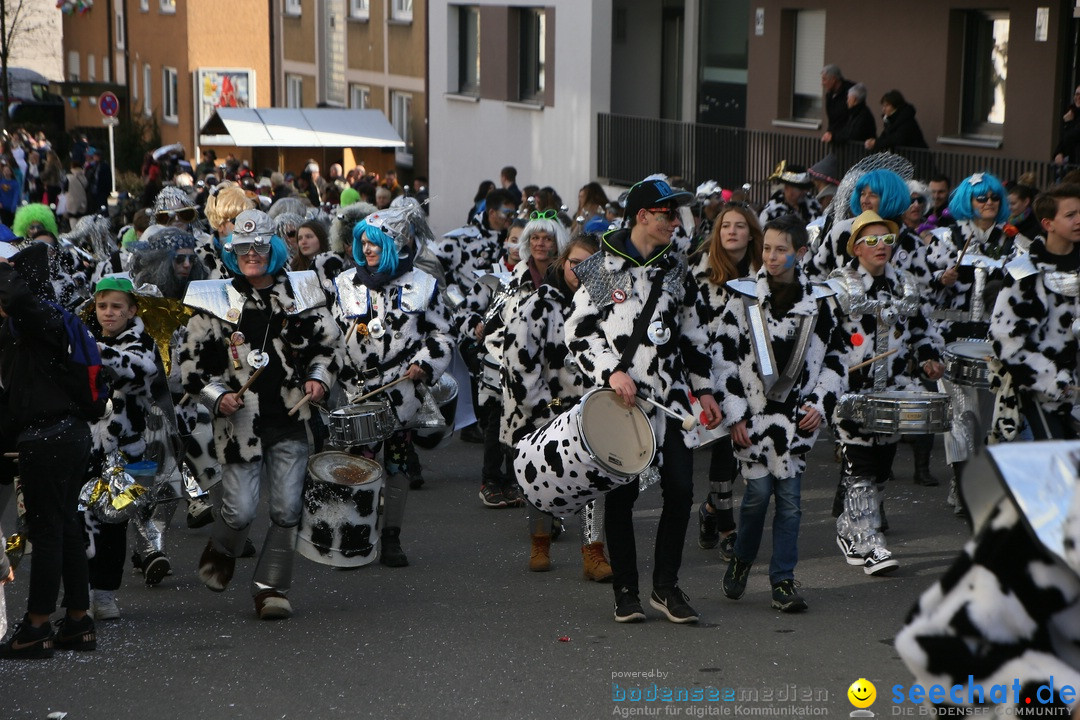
466,631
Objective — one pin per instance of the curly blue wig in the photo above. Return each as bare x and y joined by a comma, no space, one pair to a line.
960,202
279,255
388,258
887,185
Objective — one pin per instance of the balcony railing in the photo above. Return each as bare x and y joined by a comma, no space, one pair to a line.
630,148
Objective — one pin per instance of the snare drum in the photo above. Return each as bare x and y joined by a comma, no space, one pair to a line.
363,423
340,510
966,363
587,451
491,376
895,411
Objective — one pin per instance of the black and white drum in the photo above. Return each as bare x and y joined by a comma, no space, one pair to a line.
338,522
363,423
491,373
967,363
897,411
584,452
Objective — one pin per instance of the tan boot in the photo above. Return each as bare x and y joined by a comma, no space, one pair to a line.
540,558
596,567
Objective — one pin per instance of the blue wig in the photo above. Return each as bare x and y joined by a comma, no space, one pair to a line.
388,258
960,202
279,255
887,185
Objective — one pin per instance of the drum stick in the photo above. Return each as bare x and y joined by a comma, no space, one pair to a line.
352,329
376,391
11,455
184,399
244,388
302,403
963,252
874,359
688,421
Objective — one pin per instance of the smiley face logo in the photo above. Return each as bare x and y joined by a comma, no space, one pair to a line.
862,693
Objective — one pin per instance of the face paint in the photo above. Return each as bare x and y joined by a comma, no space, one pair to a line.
790,262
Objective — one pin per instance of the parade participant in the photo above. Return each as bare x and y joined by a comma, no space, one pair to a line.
711,197
733,251
53,441
883,305
604,326
792,197
397,327
285,227
478,245
225,201
1034,323
542,381
329,265
268,332
67,265
775,417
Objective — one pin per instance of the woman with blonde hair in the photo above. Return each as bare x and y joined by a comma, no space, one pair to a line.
225,202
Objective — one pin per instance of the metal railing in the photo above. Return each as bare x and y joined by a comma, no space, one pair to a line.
630,148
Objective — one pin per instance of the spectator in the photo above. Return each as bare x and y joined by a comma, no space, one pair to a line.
478,199
508,178
899,127
99,181
10,193
383,196
420,192
860,124
1067,149
208,164
52,177
75,193
1021,213
836,90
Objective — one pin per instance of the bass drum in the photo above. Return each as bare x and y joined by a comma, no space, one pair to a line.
339,518
596,446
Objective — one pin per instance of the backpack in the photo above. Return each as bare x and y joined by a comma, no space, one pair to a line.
83,377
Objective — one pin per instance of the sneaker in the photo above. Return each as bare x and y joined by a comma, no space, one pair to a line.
29,642
879,561
512,493
75,634
104,607
199,513
628,607
735,578
492,496
215,568
416,479
708,528
786,597
847,548
727,546
272,605
155,567
674,603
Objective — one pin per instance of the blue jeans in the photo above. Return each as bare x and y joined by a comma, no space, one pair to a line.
755,505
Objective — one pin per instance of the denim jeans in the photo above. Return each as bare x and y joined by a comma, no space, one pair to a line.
285,465
786,520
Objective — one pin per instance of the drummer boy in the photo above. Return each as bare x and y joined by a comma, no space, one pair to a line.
1034,326
880,310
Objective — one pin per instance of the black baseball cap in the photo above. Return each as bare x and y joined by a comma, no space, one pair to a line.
649,194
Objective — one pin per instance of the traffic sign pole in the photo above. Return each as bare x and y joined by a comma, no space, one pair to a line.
109,106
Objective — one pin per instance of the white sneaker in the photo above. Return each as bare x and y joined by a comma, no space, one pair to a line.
104,607
879,561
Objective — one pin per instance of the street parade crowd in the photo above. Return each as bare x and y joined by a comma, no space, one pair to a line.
307,335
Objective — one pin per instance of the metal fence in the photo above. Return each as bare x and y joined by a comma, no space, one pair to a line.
629,148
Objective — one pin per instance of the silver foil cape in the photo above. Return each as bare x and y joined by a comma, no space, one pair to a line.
879,161
600,282
219,297
416,290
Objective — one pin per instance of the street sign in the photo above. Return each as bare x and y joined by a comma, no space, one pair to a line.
108,104
111,121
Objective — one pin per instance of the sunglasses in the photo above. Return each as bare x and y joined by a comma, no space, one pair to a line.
261,247
543,214
918,199
873,240
184,259
988,197
666,213
511,212
183,215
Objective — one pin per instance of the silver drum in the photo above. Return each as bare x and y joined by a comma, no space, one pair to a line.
363,423
896,411
967,363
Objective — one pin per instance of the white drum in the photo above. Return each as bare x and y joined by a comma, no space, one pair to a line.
338,522
596,446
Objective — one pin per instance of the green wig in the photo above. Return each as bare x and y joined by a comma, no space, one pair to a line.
34,212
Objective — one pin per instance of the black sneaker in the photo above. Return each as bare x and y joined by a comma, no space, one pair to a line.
735,578
512,493
155,567
847,547
786,598
75,634
674,603
492,496
29,642
879,561
708,528
472,434
727,546
249,550
628,607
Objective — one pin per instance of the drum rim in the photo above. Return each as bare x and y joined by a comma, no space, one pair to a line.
579,411
376,475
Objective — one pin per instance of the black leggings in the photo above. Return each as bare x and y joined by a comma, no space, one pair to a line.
721,479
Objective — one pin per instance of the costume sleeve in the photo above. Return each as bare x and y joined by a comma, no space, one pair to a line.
438,346
1020,309
732,345
694,341
526,356
324,349
132,364
832,378
204,360
586,340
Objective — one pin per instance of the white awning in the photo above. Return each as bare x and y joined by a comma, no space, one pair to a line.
303,127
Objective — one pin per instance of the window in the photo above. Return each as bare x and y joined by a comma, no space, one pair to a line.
147,104
806,100
359,97
401,118
73,66
105,70
134,81
359,10
144,5
119,32
292,7
985,68
294,91
532,51
401,10
469,50
169,108
167,6
91,71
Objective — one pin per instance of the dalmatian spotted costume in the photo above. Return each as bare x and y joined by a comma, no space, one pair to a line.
462,252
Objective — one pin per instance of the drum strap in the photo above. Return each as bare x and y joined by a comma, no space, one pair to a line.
642,324
777,385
